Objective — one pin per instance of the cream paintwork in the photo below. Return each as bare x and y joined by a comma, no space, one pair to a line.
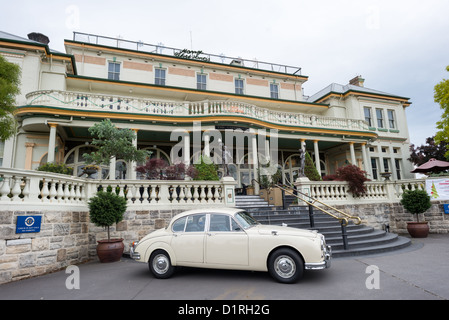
242,250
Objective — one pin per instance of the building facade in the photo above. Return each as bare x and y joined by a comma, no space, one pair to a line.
178,97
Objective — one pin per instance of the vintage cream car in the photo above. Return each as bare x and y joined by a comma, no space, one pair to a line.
230,238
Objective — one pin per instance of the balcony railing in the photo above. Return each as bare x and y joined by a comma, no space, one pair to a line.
122,104
35,187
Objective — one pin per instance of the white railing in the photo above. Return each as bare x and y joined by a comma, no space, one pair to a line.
336,192
34,187
112,103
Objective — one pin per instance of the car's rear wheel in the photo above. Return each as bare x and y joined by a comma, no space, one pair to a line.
160,265
285,265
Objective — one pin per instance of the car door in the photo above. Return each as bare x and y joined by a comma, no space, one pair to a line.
225,243
188,239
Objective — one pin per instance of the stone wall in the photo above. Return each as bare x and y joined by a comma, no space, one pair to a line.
377,215
66,238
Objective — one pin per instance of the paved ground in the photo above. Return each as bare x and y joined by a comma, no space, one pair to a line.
420,271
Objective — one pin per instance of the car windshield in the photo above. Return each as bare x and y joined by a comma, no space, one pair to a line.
245,220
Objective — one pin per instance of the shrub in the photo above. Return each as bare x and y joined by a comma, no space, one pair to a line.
106,208
416,201
310,169
206,171
355,177
158,169
56,168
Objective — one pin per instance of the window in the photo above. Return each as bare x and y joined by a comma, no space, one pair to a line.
201,81
193,223
274,90
386,165
380,118
398,168
239,86
368,116
114,71
374,167
391,120
159,78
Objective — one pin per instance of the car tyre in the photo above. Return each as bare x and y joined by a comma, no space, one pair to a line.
160,265
286,265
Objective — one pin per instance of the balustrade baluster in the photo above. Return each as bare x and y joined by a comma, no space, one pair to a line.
44,192
5,189
53,193
145,194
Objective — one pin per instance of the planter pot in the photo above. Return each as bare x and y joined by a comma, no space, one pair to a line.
110,250
418,229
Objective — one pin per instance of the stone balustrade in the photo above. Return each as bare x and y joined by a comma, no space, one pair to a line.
113,103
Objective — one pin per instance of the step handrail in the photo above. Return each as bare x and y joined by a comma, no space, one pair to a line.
314,200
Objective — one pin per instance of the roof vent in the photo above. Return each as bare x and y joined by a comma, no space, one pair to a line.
39,37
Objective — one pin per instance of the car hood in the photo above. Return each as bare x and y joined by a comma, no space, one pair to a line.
287,231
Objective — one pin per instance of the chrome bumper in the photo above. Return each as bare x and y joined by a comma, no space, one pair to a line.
326,263
134,255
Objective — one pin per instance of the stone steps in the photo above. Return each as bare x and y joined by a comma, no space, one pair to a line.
362,239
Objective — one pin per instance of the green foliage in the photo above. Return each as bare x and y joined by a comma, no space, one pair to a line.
267,181
416,201
106,208
9,88
310,169
207,171
113,142
56,168
441,96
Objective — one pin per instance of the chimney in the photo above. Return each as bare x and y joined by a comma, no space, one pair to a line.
357,81
39,37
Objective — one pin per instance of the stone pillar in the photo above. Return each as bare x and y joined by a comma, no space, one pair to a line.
52,142
366,165
111,168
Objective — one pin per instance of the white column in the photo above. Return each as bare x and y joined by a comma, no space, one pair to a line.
206,138
111,168
351,149
394,175
366,165
255,161
52,143
132,164
317,156
186,149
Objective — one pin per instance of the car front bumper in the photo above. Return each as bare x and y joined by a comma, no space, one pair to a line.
326,263
134,255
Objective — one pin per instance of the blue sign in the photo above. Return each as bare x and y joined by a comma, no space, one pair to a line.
446,208
28,224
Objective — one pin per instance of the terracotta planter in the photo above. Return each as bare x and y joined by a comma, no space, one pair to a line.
110,250
418,229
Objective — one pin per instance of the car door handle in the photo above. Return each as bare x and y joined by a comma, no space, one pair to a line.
209,234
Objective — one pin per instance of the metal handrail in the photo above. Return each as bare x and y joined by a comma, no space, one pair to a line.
314,200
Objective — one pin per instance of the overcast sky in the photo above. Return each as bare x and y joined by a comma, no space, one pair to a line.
400,47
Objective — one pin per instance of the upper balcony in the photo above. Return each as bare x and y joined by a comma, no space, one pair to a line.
84,104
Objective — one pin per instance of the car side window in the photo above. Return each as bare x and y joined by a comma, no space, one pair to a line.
178,225
195,223
222,222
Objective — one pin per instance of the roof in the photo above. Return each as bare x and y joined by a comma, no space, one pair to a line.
12,37
339,89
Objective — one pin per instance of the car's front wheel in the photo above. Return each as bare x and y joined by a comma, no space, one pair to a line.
160,265
285,265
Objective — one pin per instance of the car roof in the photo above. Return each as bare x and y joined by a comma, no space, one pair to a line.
225,210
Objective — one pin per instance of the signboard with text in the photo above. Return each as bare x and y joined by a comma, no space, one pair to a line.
438,189
28,224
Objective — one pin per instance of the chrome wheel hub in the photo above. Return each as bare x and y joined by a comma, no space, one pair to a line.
284,266
160,264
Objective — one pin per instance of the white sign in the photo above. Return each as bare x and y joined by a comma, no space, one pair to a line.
438,189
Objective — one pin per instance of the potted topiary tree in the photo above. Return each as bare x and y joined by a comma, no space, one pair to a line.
416,202
105,209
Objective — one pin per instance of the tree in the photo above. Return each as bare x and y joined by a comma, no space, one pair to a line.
113,142
441,96
9,88
422,154
310,169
